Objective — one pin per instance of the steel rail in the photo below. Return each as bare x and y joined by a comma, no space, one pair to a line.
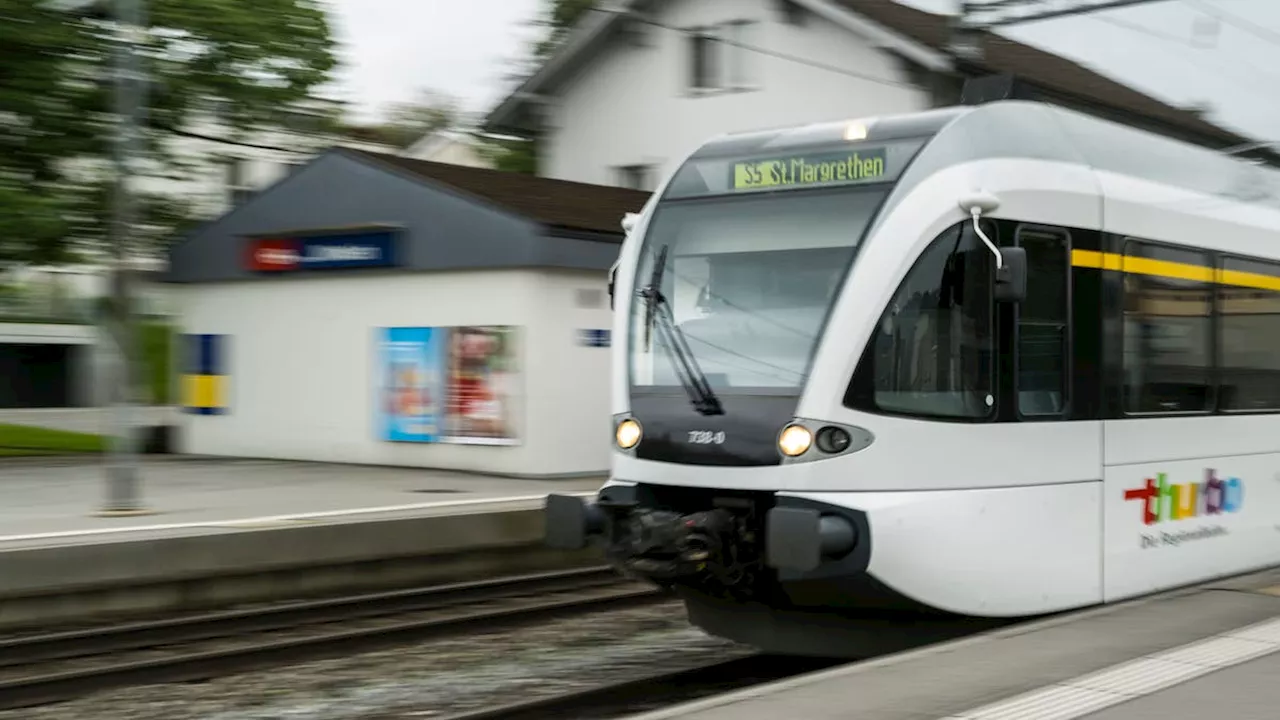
438,610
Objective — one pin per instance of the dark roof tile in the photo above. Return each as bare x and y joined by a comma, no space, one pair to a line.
555,203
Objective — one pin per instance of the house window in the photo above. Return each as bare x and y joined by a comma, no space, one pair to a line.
238,189
636,177
703,48
718,59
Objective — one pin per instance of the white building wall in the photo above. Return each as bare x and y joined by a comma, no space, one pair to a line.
632,105
303,369
570,400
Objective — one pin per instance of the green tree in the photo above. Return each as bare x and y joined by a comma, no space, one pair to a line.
555,22
257,59
509,154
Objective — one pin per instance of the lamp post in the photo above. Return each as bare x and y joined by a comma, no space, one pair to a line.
123,495
122,492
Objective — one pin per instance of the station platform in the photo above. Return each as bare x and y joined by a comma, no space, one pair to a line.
1208,651
58,498
226,531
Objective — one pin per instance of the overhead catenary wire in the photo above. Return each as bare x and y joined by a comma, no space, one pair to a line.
1083,9
1166,37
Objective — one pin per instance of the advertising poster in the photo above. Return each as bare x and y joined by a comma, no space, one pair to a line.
412,387
481,375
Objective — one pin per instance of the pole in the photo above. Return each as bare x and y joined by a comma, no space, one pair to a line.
123,495
1081,9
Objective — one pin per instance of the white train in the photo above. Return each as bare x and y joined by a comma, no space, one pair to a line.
938,369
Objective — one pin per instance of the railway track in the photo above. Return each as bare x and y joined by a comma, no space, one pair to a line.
42,669
654,691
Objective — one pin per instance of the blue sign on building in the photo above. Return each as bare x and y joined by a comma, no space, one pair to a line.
347,250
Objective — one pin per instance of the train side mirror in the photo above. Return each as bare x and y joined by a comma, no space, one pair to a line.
1011,279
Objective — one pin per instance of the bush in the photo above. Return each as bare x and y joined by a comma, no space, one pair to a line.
156,341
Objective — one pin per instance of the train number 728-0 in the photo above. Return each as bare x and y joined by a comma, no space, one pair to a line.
706,437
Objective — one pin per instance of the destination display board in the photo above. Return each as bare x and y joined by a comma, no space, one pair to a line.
785,169
862,165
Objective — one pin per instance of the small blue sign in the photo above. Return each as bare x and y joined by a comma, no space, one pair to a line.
348,250
595,338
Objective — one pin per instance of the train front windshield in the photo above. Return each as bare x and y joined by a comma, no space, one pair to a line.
748,281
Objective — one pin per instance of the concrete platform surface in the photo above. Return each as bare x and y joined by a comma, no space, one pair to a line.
227,532
93,420
41,498
1244,692
1059,668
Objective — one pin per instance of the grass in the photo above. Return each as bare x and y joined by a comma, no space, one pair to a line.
24,440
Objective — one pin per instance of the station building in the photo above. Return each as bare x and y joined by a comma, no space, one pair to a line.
379,310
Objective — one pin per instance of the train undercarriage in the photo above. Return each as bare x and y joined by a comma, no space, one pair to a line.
784,574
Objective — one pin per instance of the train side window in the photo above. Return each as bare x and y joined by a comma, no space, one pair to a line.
1043,319
932,353
1168,340
1249,336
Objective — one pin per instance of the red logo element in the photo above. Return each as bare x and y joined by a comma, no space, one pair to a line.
274,255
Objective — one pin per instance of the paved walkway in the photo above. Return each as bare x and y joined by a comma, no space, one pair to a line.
87,420
1205,653
61,496
1243,692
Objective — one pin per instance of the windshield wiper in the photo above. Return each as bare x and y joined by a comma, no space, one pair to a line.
682,359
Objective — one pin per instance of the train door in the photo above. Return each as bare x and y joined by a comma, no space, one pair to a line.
1051,373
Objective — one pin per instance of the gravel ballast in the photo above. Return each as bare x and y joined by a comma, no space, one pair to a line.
426,680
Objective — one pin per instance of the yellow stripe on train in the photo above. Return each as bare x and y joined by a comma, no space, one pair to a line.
1175,270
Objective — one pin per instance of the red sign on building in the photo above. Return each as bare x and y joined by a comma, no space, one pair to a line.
277,255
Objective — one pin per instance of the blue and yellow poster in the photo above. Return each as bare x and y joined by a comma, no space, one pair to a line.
413,383
204,374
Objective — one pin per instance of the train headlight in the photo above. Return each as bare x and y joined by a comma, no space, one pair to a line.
794,440
627,434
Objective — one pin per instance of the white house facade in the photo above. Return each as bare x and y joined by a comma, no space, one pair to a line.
639,84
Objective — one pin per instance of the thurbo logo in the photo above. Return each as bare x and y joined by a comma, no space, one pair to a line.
1163,500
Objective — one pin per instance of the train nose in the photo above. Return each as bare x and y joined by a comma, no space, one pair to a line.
800,539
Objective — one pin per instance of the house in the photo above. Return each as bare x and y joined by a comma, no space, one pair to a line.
641,83
448,146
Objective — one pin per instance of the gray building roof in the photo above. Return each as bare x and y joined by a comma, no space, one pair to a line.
440,217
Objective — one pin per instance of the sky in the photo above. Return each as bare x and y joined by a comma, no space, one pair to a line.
1225,53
